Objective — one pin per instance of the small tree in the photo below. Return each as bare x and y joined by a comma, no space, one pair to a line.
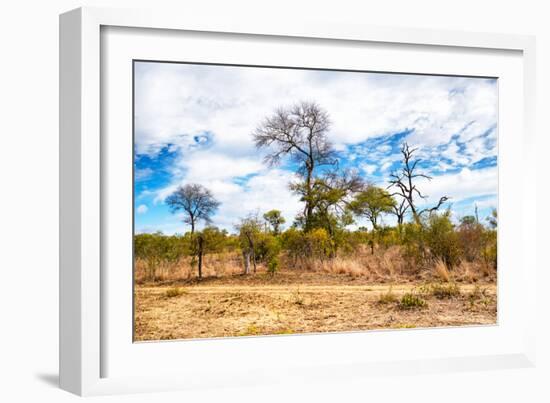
196,201
249,229
442,239
210,239
275,220
371,203
330,195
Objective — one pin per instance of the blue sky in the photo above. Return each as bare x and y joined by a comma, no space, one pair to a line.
193,124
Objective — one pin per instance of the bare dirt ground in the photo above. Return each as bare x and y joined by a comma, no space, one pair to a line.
300,303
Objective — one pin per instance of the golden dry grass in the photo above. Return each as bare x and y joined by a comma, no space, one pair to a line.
252,305
359,292
386,265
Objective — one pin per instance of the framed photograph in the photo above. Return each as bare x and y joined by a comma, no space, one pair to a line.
242,202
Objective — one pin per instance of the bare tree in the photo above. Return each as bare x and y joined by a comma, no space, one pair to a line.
406,188
399,210
196,201
299,131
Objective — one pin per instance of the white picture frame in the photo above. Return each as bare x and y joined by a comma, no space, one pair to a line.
86,345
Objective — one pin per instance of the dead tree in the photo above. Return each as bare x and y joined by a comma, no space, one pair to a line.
399,210
406,188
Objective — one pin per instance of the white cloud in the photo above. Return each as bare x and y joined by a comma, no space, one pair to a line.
142,174
207,114
142,209
368,168
175,102
213,170
490,202
265,191
460,186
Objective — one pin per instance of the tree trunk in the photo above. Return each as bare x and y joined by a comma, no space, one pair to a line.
254,259
246,258
309,177
200,252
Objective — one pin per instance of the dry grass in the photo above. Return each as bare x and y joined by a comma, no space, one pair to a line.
214,265
388,297
386,265
360,292
441,270
175,292
220,308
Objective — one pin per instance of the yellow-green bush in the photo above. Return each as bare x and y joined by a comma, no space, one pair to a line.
315,244
442,239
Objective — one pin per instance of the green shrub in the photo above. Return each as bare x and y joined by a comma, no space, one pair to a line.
315,244
266,247
273,265
489,249
413,242
412,301
157,248
443,291
442,239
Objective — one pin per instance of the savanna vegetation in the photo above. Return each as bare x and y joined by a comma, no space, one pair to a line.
320,272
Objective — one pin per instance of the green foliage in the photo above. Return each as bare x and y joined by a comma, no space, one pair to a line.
275,220
441,291
489,248
348,242
388,236
442,239
413,242
315,244
158,248
266,246
214,239
412,301
273,265
249,229
371,203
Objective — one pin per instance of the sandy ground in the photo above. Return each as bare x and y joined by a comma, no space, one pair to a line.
260,306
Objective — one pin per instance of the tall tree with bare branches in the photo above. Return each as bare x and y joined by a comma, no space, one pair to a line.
196,201
404,183
300,132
